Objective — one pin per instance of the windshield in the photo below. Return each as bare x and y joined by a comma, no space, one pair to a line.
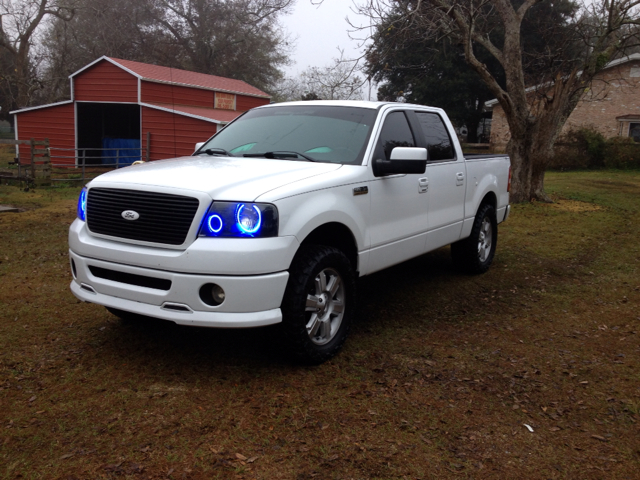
332,134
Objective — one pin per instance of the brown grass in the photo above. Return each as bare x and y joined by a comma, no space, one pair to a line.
439,378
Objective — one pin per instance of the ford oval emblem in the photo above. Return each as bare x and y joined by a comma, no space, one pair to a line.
130,215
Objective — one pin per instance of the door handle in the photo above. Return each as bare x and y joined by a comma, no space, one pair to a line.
423,185
459,178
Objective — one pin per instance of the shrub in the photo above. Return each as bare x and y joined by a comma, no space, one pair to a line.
622,152
587,148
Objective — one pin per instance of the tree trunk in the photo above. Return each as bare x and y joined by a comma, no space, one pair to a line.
530,150
472,131
23,79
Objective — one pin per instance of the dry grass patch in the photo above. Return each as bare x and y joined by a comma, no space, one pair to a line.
574,206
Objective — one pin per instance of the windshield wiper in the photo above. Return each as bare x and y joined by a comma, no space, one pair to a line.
216,151
279,154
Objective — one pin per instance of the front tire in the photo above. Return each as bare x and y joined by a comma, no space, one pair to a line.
318,303
475,253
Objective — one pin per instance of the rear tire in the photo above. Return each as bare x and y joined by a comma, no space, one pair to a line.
318,303
475,253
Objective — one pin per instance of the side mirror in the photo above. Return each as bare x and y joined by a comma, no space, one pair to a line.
403,160
198,146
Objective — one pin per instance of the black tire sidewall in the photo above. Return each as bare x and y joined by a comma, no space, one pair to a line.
465,252
308,262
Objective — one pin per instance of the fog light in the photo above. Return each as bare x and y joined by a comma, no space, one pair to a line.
218,293
212,294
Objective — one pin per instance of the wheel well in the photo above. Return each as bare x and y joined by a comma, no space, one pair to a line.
338,236
491,199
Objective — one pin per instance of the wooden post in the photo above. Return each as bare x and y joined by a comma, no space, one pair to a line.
33,160
46,164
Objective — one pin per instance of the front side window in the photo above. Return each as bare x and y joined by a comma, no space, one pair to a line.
436,136
395,133
334,134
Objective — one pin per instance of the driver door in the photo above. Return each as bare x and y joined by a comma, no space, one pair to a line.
399,203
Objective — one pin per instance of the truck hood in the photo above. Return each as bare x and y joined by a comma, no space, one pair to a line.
224,178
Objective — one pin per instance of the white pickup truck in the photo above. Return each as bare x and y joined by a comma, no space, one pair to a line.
273,219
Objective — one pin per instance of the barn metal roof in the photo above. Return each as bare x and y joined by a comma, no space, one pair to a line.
175,76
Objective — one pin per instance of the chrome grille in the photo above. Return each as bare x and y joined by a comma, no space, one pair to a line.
164,218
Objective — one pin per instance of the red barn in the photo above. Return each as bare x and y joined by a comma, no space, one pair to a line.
115,100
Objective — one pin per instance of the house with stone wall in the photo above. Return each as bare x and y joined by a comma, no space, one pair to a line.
610,106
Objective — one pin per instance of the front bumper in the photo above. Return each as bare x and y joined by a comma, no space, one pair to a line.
251,300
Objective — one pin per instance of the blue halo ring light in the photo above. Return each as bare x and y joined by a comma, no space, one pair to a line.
249,220
82,205
240,220
215,223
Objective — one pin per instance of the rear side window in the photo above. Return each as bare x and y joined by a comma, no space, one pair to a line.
395,133
436,136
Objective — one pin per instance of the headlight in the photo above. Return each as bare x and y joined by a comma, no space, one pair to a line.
82,205
238,219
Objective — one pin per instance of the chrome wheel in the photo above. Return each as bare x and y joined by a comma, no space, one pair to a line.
325,306
474,254
485,239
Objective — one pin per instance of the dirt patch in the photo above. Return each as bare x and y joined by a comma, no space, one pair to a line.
574,206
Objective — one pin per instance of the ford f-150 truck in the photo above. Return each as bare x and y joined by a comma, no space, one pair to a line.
273,219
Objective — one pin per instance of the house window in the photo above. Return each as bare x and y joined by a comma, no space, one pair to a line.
634,131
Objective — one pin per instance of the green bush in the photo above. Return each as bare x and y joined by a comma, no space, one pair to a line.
622,152
588,148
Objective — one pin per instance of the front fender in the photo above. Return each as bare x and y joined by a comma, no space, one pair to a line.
302,214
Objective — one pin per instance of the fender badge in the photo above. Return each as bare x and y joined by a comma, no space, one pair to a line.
361,190
130,215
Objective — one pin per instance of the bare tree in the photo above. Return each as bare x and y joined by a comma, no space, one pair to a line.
19,21
337,81
118,28
603,28
234,38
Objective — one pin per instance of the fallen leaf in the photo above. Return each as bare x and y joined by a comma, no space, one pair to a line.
598,437
252,459
32,399
239,456
68,455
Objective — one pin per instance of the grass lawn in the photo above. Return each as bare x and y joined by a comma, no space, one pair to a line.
441,378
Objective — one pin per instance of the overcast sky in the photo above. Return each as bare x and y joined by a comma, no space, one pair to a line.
318,31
